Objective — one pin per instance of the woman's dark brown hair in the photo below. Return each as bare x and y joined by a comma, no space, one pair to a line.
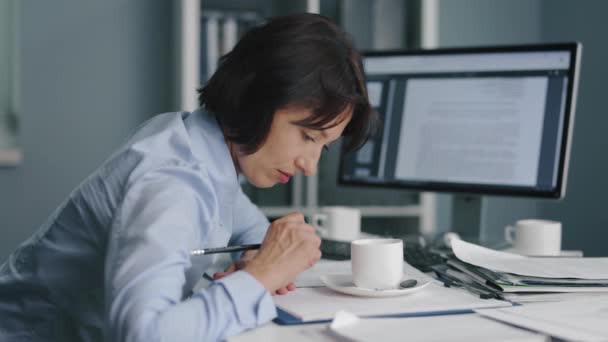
302,60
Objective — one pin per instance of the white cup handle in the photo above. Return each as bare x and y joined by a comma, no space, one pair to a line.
509,233
316,219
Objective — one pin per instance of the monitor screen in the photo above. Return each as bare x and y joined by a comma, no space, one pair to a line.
493,120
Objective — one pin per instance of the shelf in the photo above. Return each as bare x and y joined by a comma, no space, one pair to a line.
10,157
304,194
366,211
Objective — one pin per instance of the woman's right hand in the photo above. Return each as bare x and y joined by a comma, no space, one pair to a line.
289,247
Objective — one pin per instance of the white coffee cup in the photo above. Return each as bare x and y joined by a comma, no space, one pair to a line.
338,223
535,237
377,263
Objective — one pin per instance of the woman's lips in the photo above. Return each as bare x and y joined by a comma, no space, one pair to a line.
284,177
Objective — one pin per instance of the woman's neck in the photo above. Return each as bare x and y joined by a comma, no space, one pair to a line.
233,155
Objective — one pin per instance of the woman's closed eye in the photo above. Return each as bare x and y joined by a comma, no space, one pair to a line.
311,139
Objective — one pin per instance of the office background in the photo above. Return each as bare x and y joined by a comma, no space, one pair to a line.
90,72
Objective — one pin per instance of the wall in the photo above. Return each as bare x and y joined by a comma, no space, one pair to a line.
489,22
90,71
7,50
583,211
5,55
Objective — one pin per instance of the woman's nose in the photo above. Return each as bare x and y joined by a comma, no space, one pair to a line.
308,166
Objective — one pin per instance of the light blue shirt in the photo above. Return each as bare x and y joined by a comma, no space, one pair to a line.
113,262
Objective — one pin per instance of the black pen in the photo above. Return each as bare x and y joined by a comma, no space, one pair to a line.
450,280
224,249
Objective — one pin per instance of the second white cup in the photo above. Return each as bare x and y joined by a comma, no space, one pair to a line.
535,237
377,263
338,223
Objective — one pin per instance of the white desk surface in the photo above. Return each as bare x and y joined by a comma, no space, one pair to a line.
273,332
415,328
453,328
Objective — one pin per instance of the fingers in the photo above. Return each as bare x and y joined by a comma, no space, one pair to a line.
227,271
315,258
239,265
248,255
289,247
231,268
285,290
294,220
281,291
295,217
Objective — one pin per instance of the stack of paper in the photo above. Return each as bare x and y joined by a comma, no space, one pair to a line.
512,273
575,320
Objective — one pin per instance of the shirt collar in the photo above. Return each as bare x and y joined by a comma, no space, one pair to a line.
211,149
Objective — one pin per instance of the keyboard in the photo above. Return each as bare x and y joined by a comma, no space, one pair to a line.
413,253
420,257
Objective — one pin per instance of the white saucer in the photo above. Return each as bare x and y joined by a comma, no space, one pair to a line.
343,283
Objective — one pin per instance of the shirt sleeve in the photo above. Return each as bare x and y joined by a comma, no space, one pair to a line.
250,224
164,215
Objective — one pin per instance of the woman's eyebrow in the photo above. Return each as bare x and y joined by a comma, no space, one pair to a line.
321,131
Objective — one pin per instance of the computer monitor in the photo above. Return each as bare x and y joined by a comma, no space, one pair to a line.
484,120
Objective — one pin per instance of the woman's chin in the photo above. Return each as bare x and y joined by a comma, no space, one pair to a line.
262,183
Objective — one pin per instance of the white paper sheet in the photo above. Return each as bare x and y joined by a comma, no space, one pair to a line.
583,268
550,297
322,303
453,328
294,333
579,320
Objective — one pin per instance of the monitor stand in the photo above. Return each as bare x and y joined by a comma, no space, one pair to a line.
466,217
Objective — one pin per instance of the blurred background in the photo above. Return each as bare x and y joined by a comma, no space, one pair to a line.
77,76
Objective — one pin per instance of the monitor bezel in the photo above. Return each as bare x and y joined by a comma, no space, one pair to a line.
575,50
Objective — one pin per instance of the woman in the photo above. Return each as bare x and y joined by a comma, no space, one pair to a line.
113,262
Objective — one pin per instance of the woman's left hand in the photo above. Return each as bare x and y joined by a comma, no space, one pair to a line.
247,256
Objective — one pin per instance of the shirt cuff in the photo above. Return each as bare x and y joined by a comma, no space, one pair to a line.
253,303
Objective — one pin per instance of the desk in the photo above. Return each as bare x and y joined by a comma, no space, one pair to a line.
415,328
456,328
460,327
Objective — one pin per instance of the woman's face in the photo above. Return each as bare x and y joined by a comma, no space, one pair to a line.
289,148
